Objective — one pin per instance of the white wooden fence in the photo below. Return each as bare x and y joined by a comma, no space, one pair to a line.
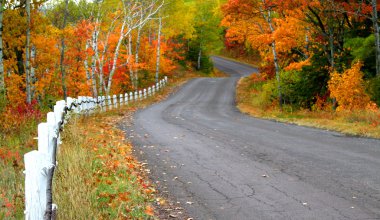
40,164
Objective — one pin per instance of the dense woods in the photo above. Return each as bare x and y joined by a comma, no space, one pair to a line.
314,54
55,49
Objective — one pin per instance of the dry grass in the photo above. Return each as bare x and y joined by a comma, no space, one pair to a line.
360,123
74,191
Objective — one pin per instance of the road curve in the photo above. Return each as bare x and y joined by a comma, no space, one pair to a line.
221,164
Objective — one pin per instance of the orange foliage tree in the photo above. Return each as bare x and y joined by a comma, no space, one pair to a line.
348,89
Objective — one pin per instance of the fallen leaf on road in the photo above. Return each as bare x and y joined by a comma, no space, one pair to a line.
149,211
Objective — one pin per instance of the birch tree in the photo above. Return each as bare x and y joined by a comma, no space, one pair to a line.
131,19
2,81
62,57
158,48
267,13
27,55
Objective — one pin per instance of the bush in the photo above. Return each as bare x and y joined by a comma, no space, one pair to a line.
348,89
268,94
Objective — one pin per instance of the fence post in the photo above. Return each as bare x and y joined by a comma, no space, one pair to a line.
140,95
153,89
145,93
115,101
166,80
158,87
136,96
43,138
109,102
87,100
149,91
131,96
36,166
121,99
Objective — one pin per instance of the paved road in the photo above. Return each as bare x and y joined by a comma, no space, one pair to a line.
232,166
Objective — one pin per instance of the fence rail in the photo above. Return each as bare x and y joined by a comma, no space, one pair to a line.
40,164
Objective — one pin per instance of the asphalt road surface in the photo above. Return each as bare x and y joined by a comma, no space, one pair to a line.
221,164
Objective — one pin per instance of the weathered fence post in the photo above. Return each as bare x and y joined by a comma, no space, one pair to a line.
136,96
109,101
149,91
115,101
140,95
145,93
131,96
153,89
36,165
103,104
126,98
121,100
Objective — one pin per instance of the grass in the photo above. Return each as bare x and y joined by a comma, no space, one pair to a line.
358,123
81,189
13,144
97,176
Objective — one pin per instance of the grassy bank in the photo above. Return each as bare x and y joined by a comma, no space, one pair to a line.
97,176
359,123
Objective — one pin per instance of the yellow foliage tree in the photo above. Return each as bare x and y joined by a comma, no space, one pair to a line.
348,89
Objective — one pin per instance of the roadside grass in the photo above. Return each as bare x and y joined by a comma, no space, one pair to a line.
76,193
13,144
97,175
358,123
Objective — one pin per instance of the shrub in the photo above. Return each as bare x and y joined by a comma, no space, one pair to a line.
348,89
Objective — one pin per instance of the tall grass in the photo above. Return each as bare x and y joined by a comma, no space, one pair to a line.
252,100
13,144
71,188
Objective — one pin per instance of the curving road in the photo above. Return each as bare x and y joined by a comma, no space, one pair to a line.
221,164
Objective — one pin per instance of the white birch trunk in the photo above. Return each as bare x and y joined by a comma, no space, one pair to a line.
158,48
2,80
27,55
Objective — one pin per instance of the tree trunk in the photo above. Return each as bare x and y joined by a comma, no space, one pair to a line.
27,55
62,58
200,51
88,74
377,37
93,63
158,48
278,78
199,58
268,18
115,58
136,70
33,78
130,67
2,81
332,49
